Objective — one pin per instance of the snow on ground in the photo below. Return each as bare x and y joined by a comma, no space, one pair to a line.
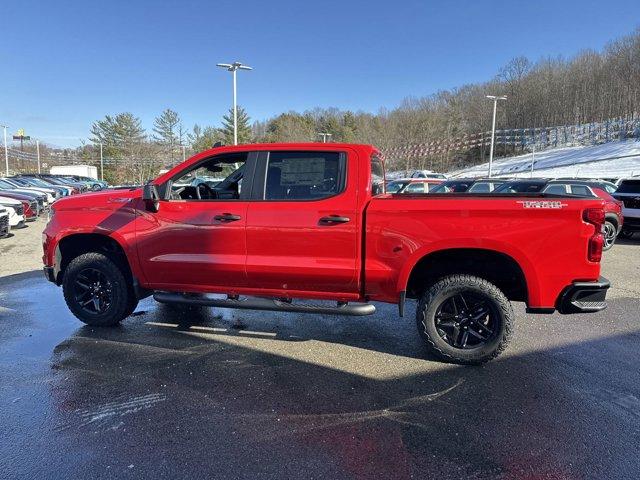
608,160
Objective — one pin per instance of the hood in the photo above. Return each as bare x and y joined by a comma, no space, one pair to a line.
108,199
9,201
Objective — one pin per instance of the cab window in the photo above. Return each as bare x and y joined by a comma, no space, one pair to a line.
304,175
217,178
377,175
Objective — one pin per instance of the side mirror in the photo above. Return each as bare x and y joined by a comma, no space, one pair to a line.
151,197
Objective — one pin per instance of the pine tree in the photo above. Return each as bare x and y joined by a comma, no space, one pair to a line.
244,129
166,128
204,138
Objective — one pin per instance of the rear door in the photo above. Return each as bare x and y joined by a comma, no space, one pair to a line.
303,223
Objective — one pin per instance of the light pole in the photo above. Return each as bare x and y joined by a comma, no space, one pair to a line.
38,153
6,151
325,136
493,127
233,68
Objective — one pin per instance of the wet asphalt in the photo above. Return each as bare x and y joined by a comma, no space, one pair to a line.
170,394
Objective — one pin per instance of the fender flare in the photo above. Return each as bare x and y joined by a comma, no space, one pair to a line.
530,275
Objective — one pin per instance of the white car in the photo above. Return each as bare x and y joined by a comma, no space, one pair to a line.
5,228
15,210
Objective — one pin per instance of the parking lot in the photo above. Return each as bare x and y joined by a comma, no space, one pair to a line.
169,394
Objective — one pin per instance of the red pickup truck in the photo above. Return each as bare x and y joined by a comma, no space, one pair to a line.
269,225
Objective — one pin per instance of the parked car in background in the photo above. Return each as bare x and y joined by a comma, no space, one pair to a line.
485,185
593,188
49,192
413,185
36,182
15,209
577,186
5,228
605,185
522,186
41,198
29,201
458,185
52,180
628,193
93,183
614,218
428,174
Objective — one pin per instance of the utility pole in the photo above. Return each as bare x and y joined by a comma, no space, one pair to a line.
6,150
493,127
325,136
101,164
233,68
184,155
38,153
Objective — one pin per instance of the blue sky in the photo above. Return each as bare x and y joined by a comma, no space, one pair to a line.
66,64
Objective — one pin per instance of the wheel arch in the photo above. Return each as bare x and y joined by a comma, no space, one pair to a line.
76,244
613,218
494,266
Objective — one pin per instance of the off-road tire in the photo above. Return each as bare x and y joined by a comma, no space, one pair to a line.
123,300
443,289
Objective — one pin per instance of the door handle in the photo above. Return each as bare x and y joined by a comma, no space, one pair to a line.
227,217
333,219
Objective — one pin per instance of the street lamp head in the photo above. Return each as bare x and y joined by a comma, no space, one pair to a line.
232,67
496,97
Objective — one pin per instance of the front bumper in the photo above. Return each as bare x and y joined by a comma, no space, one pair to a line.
584,297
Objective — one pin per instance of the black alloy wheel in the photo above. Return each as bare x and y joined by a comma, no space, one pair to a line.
465,320
93,291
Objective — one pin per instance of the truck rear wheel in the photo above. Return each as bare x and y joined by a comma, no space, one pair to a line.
97,291
464,319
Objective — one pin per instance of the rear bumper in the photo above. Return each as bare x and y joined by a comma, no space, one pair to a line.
584,297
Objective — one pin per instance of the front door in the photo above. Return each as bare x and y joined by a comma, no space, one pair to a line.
196,240
302,226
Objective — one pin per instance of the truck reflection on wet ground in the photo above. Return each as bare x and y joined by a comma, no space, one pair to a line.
306,396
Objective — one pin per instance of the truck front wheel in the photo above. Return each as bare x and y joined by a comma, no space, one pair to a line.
96,290
464,319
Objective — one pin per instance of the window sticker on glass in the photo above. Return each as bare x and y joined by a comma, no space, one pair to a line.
309,171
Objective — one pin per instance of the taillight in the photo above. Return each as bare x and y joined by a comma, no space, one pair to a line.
595,216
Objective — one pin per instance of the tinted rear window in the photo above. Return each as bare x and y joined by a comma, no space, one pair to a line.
629,186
